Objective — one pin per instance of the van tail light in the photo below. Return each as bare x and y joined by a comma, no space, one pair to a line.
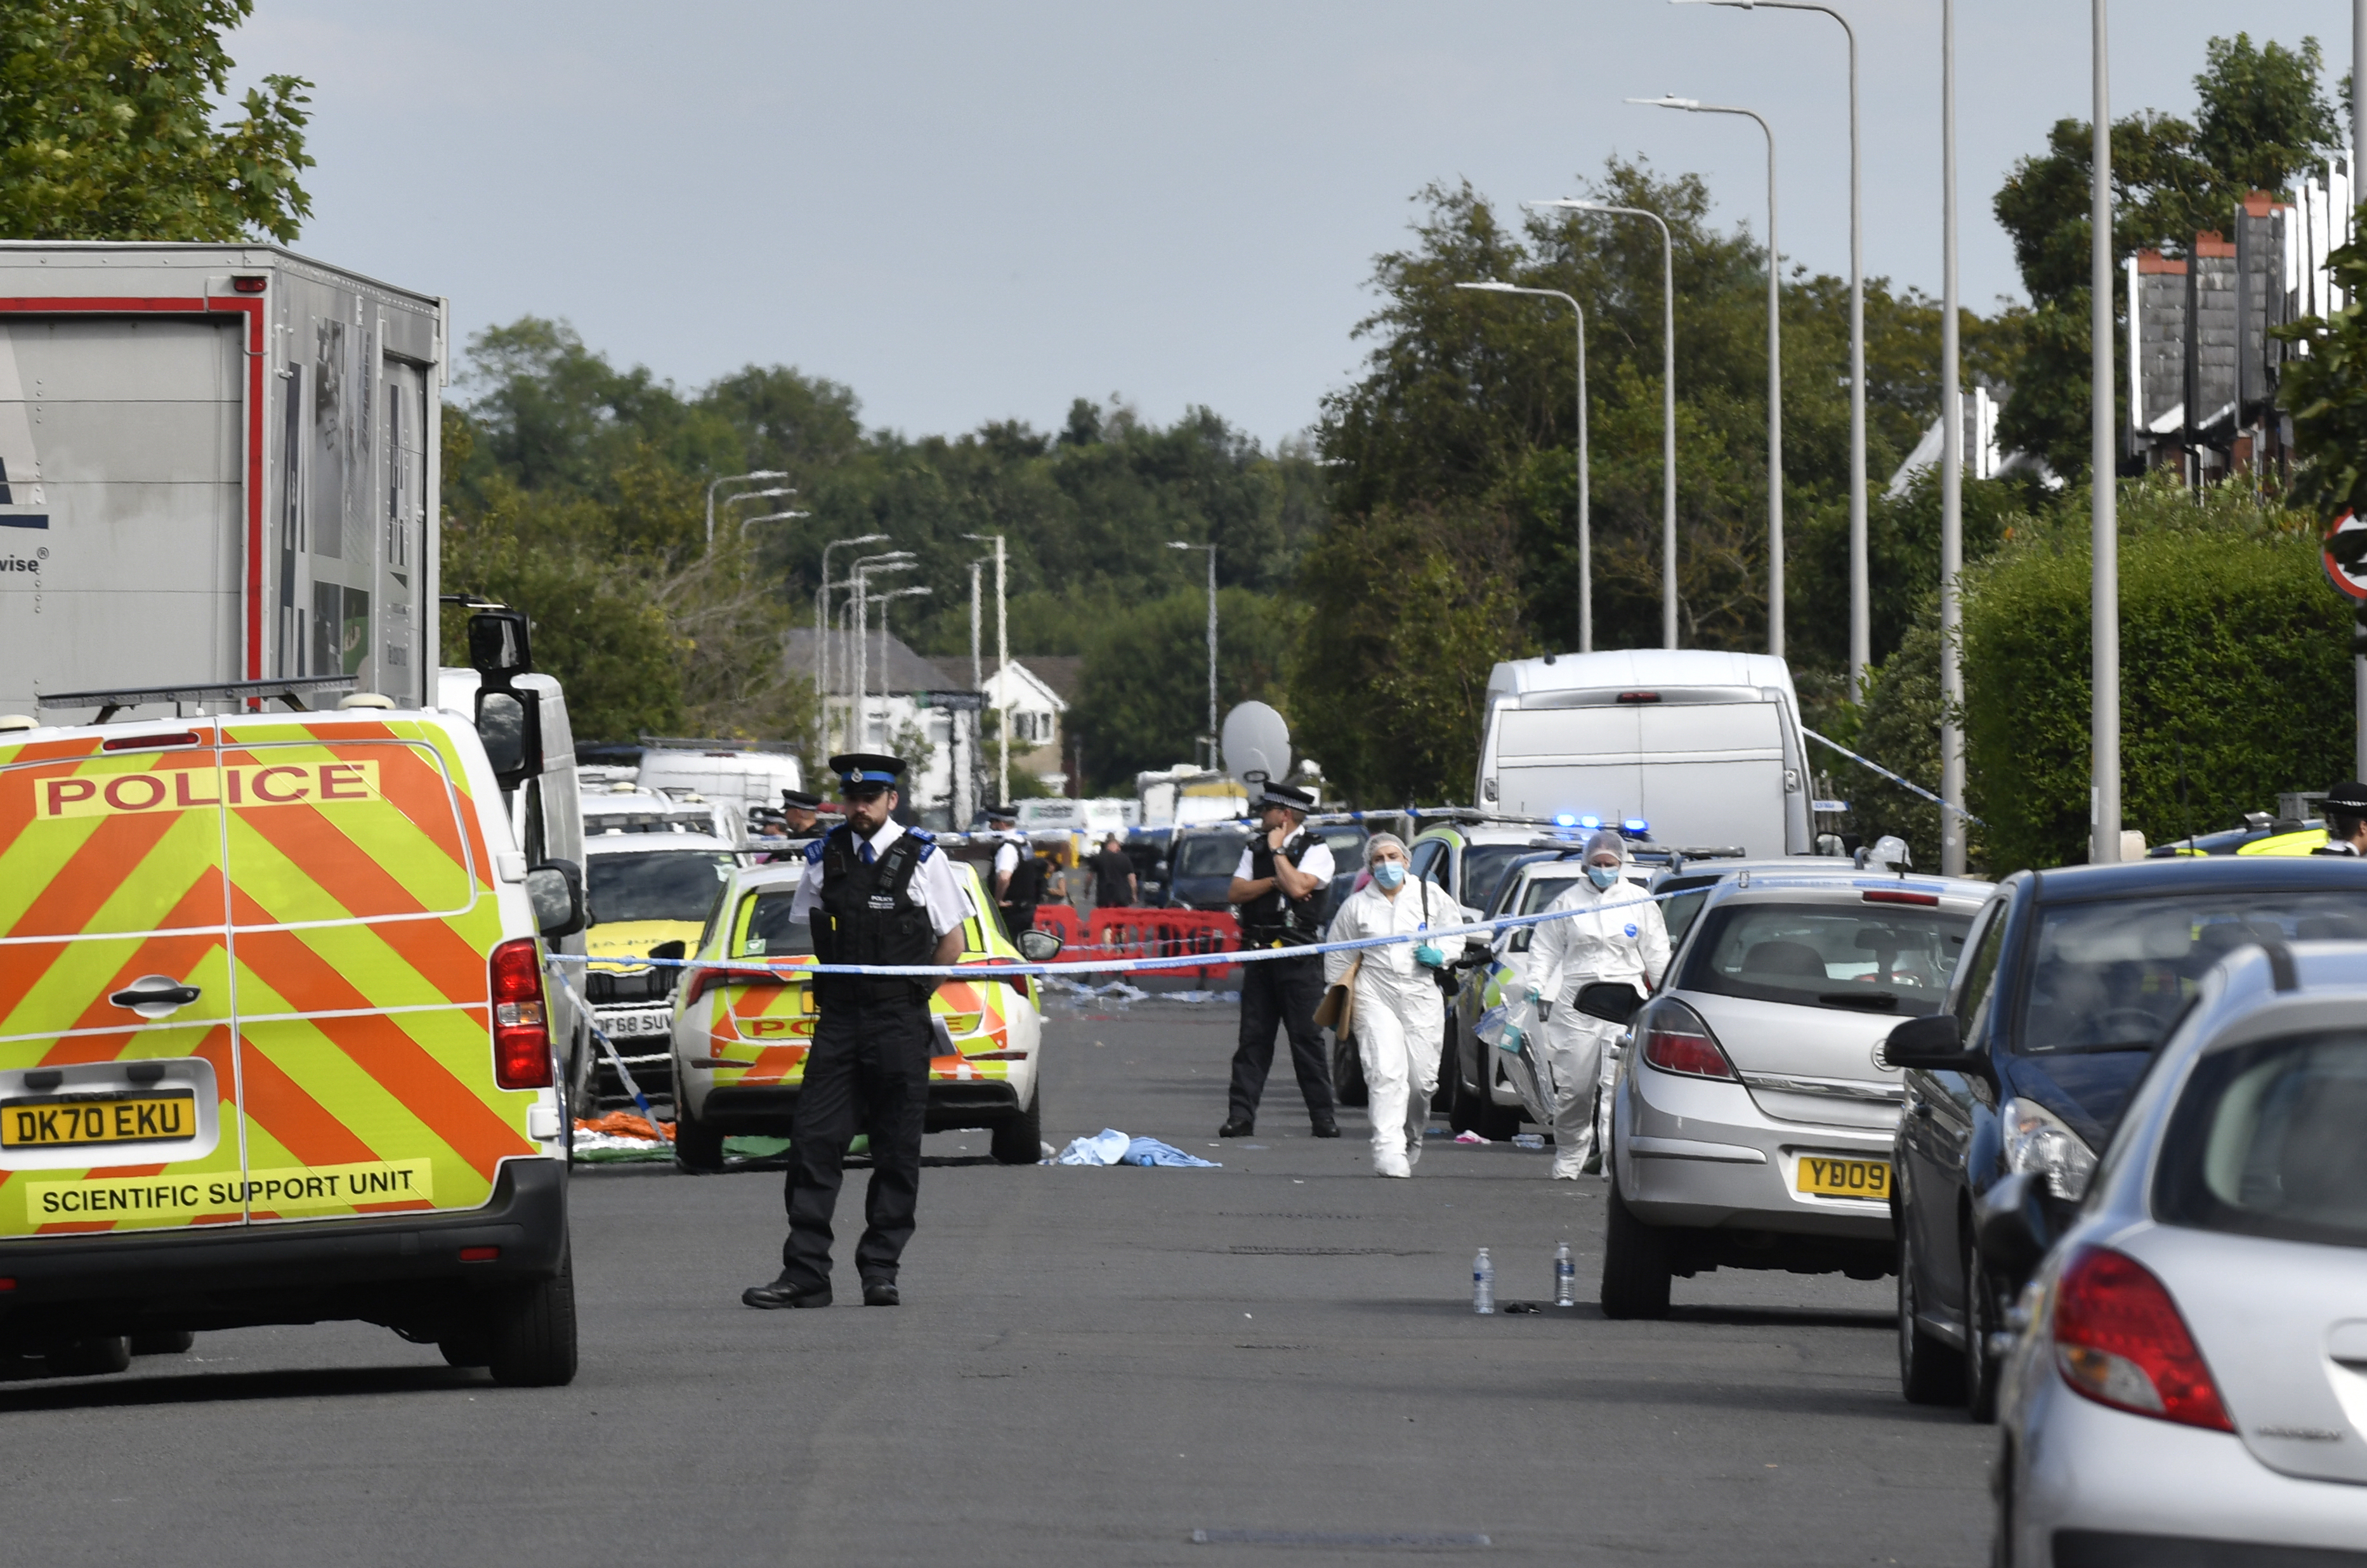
2119,1340
702,981
1676,1041
521,1019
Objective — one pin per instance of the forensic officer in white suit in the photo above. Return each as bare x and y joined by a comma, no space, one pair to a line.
1618,936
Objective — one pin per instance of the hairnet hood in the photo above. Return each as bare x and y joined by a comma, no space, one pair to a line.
1606,841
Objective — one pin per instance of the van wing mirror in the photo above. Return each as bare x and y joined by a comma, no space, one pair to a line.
510,723
1935,1044
1612,1001
498,647
556,890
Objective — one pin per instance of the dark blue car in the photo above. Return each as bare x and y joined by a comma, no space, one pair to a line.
2070,980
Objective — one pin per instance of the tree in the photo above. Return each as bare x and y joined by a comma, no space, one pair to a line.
2325,392
107,127
1142,700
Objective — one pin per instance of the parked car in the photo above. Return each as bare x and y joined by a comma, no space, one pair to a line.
648,894
740,1035
1753,1116
1687,879
2075,977
1201,863
1469,857
2192,1387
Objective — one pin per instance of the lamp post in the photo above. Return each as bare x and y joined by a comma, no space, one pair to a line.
859,580
1668,402
2103,523
1952,478
821,621
732,480
1774,370
1585,524
1001,664
1183,544
1861,621
886,695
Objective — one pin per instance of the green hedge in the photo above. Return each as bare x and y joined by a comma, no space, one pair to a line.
2236,674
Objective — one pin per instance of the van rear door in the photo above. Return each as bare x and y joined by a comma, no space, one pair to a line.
363,915
1712,773
118,1067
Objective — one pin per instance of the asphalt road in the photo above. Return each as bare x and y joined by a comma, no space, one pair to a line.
1092,1365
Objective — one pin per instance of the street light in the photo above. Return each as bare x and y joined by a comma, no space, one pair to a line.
859,580
1774,371
733,479
1861,623
1585,524
884,693
1668,400
1002,663
1952,484
2103,523
822,619
1182,544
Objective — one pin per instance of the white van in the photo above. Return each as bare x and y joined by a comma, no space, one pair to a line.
1705,747
722,770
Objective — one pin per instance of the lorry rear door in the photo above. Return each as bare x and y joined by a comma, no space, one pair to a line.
118,1067
363,917
1712,773
1552,761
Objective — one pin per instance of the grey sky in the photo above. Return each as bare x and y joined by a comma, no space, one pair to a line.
968,212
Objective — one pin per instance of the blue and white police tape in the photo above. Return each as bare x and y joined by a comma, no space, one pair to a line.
624,1074
1144,965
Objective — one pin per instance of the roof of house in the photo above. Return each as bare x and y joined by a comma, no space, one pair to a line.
1061,672
906,671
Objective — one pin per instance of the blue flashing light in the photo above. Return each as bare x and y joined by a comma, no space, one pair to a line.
1590,821
1636,825
1565,820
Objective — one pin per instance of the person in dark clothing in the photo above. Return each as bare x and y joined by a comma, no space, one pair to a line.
1116,885
1279,886
1029,879
875,892
2346,820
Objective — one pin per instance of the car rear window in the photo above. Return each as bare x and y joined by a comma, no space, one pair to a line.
1483,871
1209,854
670,884
766,930
1872,957
2265,1141
2111,977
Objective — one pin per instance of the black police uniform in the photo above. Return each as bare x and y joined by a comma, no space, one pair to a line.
2344,800
870,1063
1282,992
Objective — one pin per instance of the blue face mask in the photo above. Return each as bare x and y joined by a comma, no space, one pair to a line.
1389,873
1602,876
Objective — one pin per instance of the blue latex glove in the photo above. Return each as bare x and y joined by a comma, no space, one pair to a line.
1429,957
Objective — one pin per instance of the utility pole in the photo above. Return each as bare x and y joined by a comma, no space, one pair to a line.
2103,460
977,671
1001,668
1951,474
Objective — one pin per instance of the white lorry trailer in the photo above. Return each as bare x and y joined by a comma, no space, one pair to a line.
218,463
1707,746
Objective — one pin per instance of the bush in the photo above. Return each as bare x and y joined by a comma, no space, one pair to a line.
2236,678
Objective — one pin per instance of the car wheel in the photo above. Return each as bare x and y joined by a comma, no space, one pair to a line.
1020,1139
1981,1320
1931,1371
1637,1262
94,1357
164,1342
1348,1086
698,1148
530,1332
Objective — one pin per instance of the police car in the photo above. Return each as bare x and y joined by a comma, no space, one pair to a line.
274,1041
744,1020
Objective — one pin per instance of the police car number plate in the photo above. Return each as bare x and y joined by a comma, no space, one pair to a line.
625,1026
1868,1179
143,1116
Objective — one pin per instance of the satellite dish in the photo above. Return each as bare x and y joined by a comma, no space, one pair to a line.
1256,743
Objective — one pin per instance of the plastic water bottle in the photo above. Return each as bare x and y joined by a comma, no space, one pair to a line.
1565,1277
1483,1284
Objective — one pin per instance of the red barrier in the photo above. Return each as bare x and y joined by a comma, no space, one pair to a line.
1061,921
1167,934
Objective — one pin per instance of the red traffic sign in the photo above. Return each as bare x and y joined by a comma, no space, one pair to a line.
2343,554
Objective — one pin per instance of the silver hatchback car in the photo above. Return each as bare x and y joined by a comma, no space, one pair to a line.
1752,1121
2192,1384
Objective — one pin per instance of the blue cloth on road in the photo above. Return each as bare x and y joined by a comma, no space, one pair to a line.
1110,1146
1150,1151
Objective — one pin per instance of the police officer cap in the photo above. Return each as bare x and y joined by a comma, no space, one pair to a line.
861,772
800,800
2349,799
1286,795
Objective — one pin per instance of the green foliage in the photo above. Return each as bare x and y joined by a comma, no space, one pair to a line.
1407,610
1143,698
107,127
2263,118
2235,671
2325,392
1898,726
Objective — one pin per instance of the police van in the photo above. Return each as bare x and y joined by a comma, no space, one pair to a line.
274,1046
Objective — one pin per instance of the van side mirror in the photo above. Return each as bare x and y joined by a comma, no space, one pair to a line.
555,888
2010,1225
1935,1044
1039,947
498,647
510,723
1612,1001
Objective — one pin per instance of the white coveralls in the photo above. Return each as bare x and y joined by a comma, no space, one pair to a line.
1400,1015
1627,943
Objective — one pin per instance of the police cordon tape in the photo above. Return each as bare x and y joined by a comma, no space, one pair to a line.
1179,961
624,1074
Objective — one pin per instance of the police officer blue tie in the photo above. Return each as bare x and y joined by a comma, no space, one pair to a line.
867,856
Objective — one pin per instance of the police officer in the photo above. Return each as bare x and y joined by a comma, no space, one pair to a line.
2346,820
1279,886
875,892
799,811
